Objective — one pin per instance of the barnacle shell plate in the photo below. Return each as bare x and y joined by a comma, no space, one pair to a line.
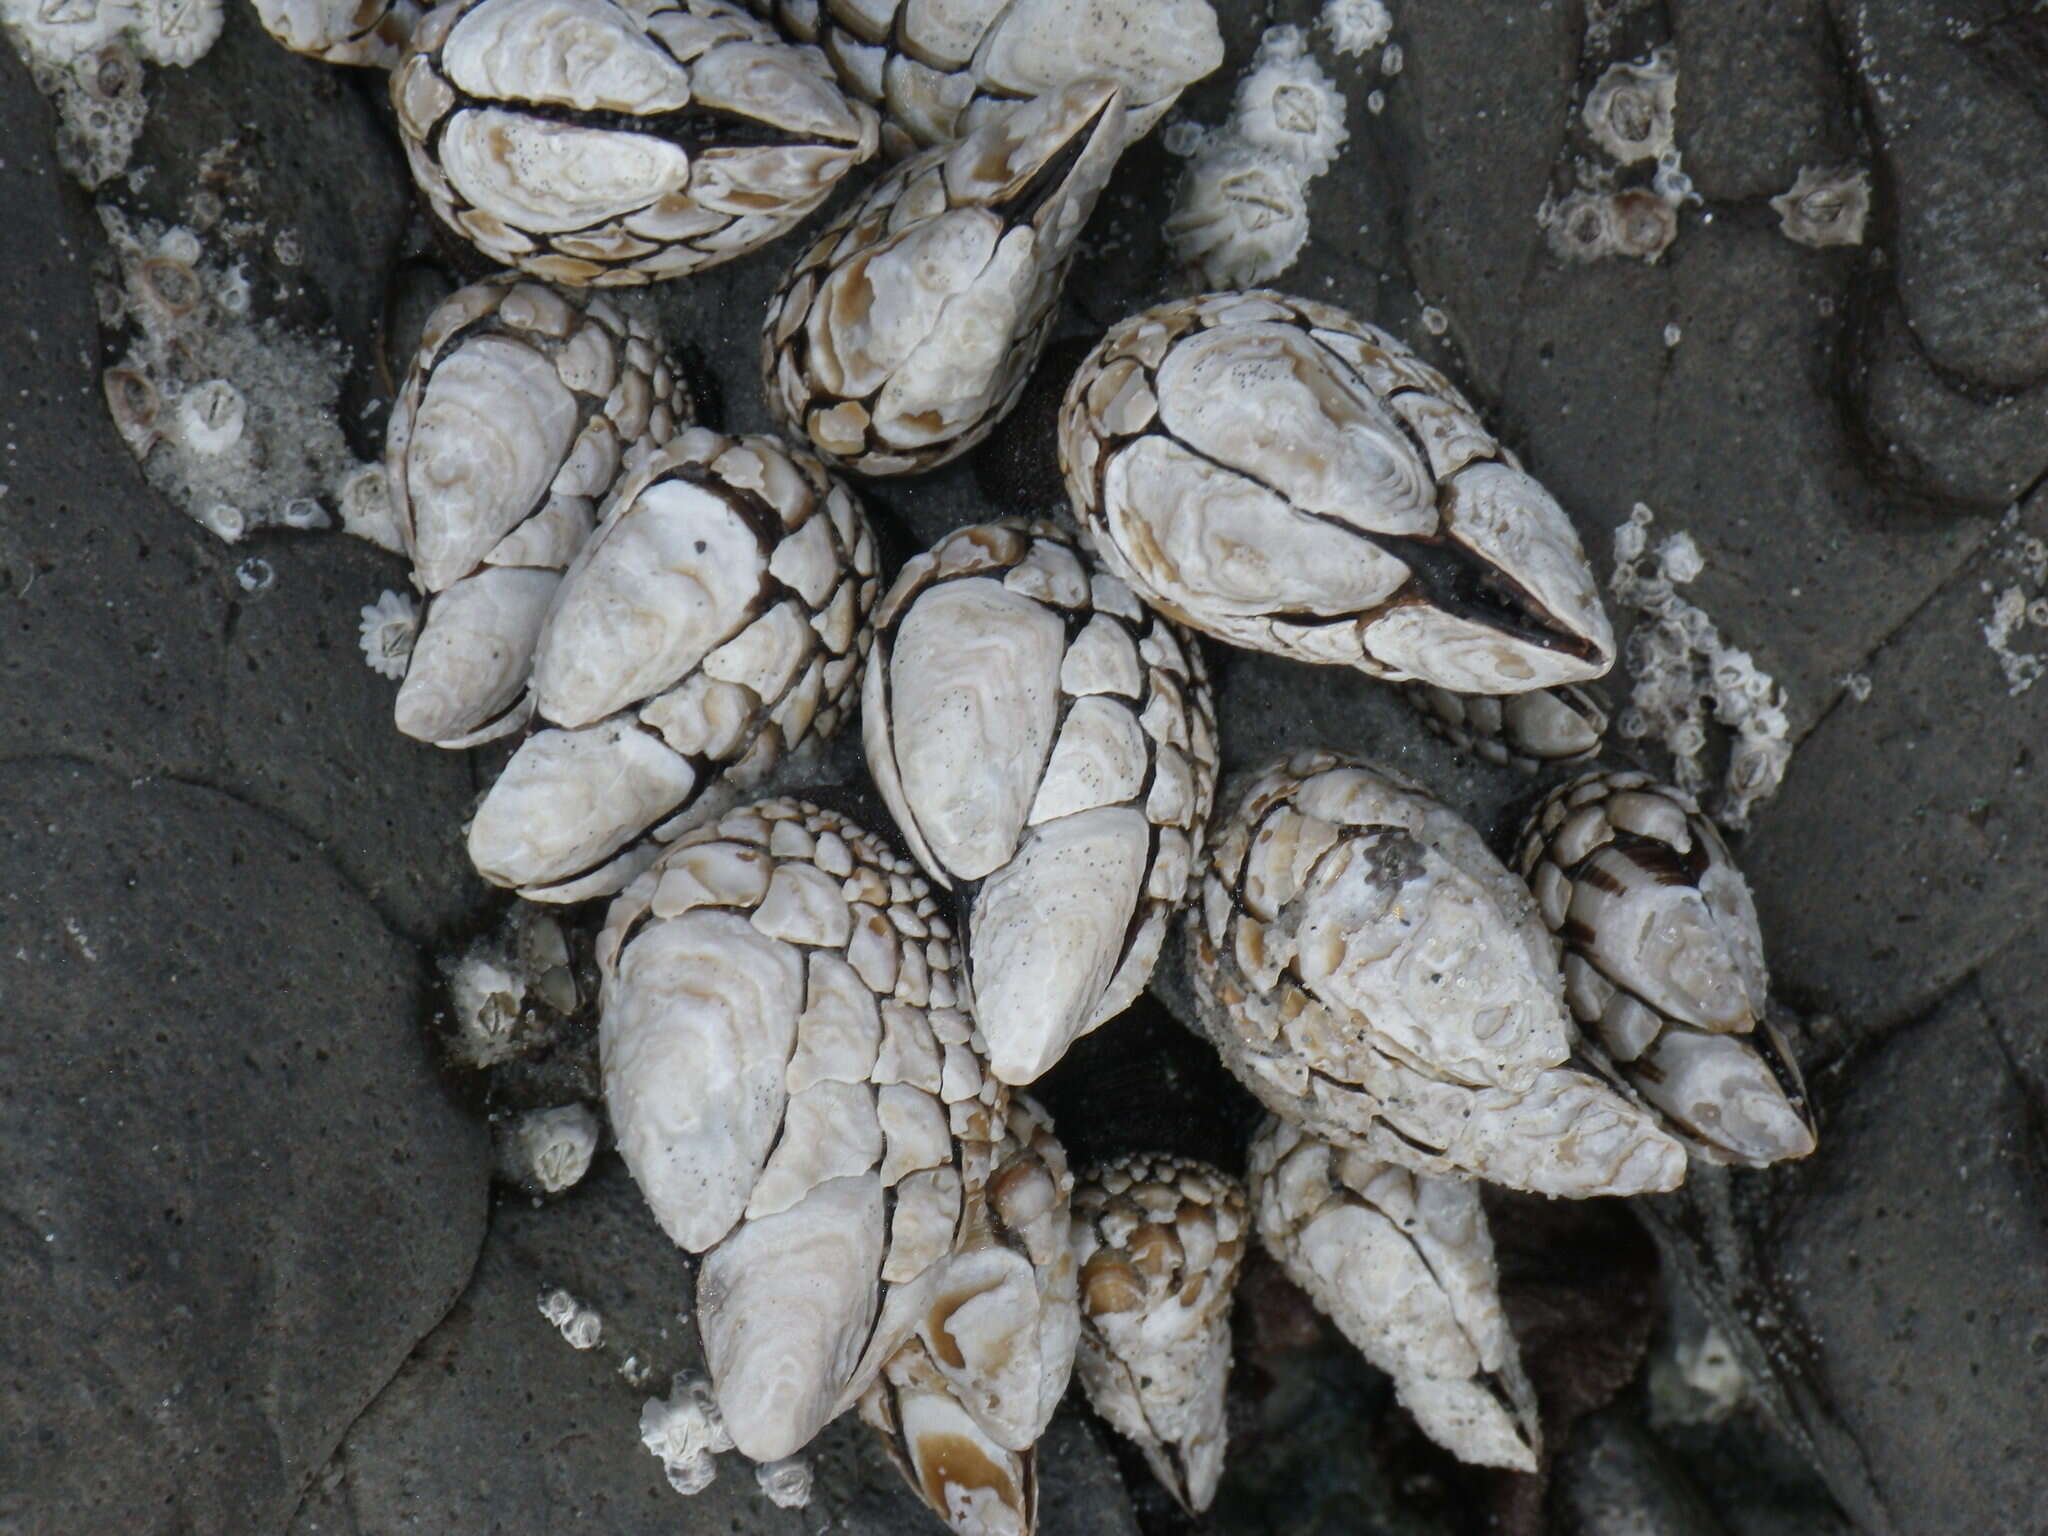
1664,964
1284,477
1402,1262
910,327
715,623
796,1095
1048,748
1368,969
593,142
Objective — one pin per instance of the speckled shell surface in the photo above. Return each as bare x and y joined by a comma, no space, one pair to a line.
1160,1241
937,70
1402,1263
800,1098
961,1406
1282,476
587,141
711,628
1522,730
1368,969
366,32
515,418
1048,748
1663,963
909,328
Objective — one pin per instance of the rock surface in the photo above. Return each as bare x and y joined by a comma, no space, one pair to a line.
496,1424
1838,429
236,1196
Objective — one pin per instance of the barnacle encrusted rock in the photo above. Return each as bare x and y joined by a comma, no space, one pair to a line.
938,70
1275,473
715,623
587,141
366,32
909,328
1402,1263
1368,969
1049,750
516,415
1527,730
962,1404
1664,965
1160,1240
800,1099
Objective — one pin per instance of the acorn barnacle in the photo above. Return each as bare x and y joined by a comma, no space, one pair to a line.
1663,963
715,622
367,32
909,328
1281,476
587,141
1402,1263
936,71
1371,972
514,420
1160,1240
801,1101
1048,748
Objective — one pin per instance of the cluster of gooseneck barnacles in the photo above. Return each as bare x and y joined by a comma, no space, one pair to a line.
814,1038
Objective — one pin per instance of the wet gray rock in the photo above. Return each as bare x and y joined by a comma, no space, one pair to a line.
1978,446
496,1424
236,1196
1761,93
1906,846
1965,151
1615,1479
1913,1259
129,639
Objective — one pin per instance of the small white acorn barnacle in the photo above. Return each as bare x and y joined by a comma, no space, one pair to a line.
1160,1240
1288,107
910,327
961,1405
713,625
1630,110
371,33
799,1099
516,414
1663,963
1240,214
1825,206
938,71
1277,474
1048,748
585,141
1524,730
1370,971
1402,1263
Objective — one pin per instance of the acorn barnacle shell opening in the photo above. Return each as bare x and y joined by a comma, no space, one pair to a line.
587,141
1282,476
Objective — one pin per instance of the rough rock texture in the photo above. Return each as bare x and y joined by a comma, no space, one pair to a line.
1913,1259
1838,429
236,1197
496,1424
